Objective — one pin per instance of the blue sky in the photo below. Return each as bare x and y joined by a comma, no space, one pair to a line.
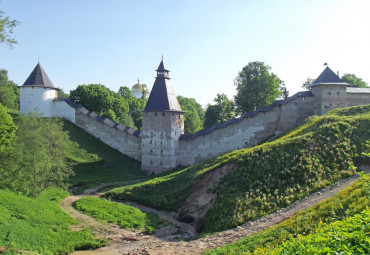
205,43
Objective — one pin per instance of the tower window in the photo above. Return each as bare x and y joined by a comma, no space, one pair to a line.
151,162
164,114
155,114
161,163
329,93
150,141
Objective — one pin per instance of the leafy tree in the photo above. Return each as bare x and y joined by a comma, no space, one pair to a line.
193,116
285,92
37,160
256,87
223,110
7,128
136,105
307,84
103,101
62,94
9,92
6,30
354,80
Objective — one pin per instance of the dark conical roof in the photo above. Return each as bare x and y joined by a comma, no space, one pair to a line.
38,77
162,67
162,97
328,77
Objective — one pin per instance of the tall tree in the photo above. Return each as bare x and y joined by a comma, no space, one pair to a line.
223,110
9,92
307,84
354,80
193,116
37,160
256,87
6,30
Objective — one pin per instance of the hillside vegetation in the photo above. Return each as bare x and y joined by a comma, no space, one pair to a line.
270,176
52,152
38,224
95,162
347,203
123,215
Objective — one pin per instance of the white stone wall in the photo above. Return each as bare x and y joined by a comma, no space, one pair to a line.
247,133
62,109
37,100
122,141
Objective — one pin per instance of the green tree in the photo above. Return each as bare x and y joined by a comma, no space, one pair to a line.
307,84
7,128
103,101
9,92
285,92
37,160
193,116
136,105
354,80
62,94
256,87
222,111
6,30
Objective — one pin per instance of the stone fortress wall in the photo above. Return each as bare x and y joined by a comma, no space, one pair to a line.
247,131
161,146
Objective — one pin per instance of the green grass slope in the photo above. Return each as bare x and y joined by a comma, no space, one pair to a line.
94,162
269,176
38,224
123,215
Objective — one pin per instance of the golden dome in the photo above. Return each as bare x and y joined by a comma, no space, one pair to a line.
137,87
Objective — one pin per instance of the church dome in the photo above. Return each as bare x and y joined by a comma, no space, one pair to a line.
137,87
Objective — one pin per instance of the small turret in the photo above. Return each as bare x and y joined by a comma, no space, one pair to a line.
329,91
37,93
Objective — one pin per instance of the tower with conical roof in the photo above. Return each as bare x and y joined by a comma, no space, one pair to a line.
329,92
163,123
37,93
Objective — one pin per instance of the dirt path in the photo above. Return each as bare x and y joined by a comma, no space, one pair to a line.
126,242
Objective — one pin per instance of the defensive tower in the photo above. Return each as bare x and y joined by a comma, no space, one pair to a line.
329,92
37,93
163,123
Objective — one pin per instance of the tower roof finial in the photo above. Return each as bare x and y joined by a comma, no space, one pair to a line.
162,57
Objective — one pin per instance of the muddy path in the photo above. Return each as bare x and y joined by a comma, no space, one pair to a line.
126,242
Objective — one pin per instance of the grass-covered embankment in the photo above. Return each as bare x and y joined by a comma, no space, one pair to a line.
125,216
269,176
318,223
39,225
95,162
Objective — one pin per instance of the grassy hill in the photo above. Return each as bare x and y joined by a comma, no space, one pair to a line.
269,176
94,162
38,224
322,228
